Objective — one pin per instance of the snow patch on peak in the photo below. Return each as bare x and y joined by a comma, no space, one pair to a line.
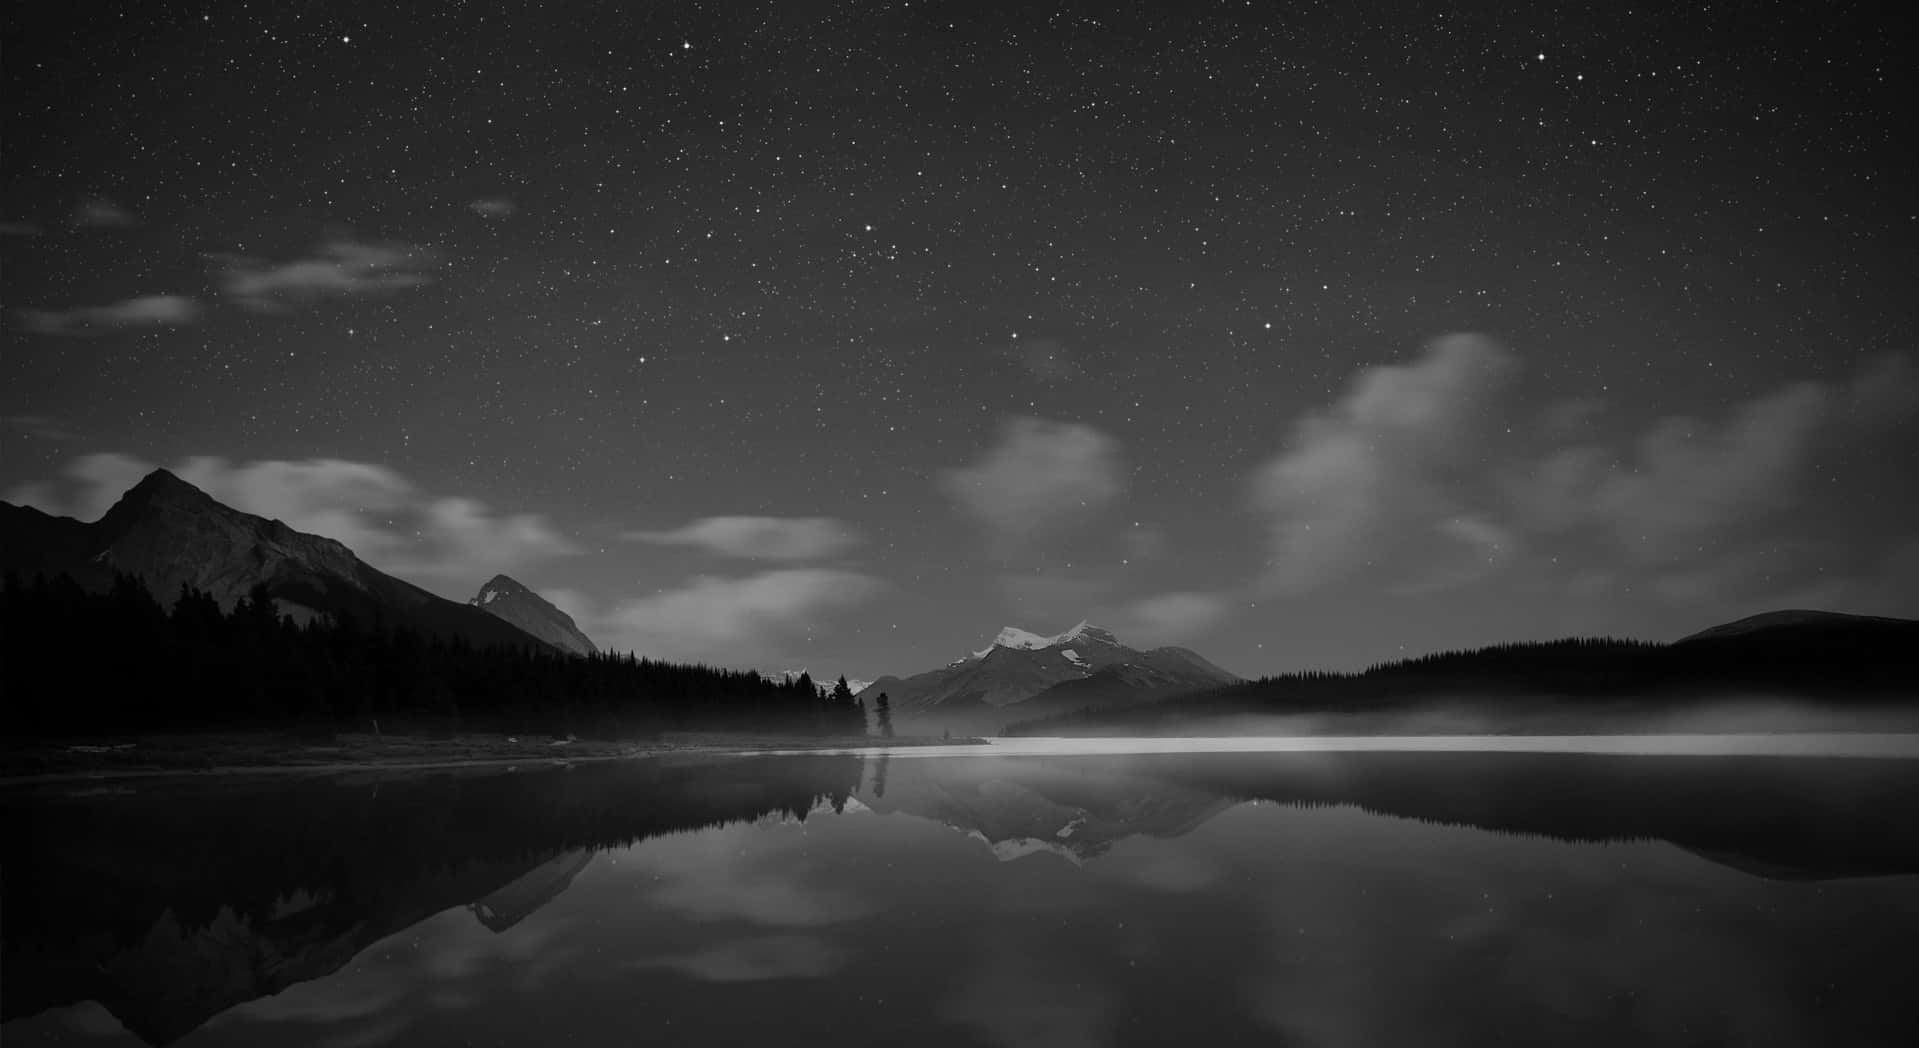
490,595
1086,631
1074,657
1026,640
1014,637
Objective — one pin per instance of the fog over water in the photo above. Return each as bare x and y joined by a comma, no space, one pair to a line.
1802,744
1324,891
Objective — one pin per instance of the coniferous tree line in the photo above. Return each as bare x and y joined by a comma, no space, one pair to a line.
80,662
1870,662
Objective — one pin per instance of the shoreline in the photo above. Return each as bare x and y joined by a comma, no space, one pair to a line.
243,754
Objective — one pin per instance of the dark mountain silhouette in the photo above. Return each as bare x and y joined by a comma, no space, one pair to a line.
1818,659
195,667
171,535
1022,675
172,904
506,599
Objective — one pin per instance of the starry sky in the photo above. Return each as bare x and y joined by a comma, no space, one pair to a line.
839,335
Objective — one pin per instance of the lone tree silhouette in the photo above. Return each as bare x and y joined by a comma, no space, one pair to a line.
885,708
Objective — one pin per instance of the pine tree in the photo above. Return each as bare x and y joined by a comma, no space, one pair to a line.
885,708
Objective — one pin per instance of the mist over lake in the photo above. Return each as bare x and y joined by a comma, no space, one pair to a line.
1325,896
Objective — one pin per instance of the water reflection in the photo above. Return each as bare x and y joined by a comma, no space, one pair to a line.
1357,899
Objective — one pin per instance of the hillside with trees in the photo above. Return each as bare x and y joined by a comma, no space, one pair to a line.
83,662
1827,660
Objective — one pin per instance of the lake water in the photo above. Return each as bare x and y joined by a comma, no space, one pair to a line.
1071,896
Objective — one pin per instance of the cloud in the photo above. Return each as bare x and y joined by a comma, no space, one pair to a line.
740,874
758,959
1379,466
146,311
336,268
1687,483
101,213
93,483
493,207
1691,479
19,229
731,620
465,543
1883,393
374,510
1412,478
1046,359
1039,477
759,538
1169,617
40,427
1053,595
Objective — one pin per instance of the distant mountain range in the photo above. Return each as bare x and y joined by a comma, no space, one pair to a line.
1022,675
511,602
170,534
783,676
1812,661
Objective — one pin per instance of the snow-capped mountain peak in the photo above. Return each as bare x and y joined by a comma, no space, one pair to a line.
825,682
1025,640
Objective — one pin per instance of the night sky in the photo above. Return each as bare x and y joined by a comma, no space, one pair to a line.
840,335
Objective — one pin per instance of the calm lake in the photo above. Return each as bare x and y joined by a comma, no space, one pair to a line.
1311,897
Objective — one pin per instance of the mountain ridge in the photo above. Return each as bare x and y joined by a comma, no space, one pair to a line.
1015,677
171,535
507,599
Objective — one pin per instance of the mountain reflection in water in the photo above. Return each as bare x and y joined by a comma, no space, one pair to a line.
1082,900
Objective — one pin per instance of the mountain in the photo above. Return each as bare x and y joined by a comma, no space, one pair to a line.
1022,675
507,600
825,682
1818,667
170,534
1799,628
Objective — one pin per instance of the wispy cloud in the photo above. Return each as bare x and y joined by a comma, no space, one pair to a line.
336,268
1039,476
1046,359
1687,482
493,207
40,427
146,311
756,959
731,621
1168,617
101,213
759,538
19,229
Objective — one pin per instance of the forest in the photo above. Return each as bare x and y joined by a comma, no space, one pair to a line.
84,663
1859,662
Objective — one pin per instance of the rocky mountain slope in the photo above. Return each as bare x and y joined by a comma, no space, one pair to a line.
1022,675
170,534
506,599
